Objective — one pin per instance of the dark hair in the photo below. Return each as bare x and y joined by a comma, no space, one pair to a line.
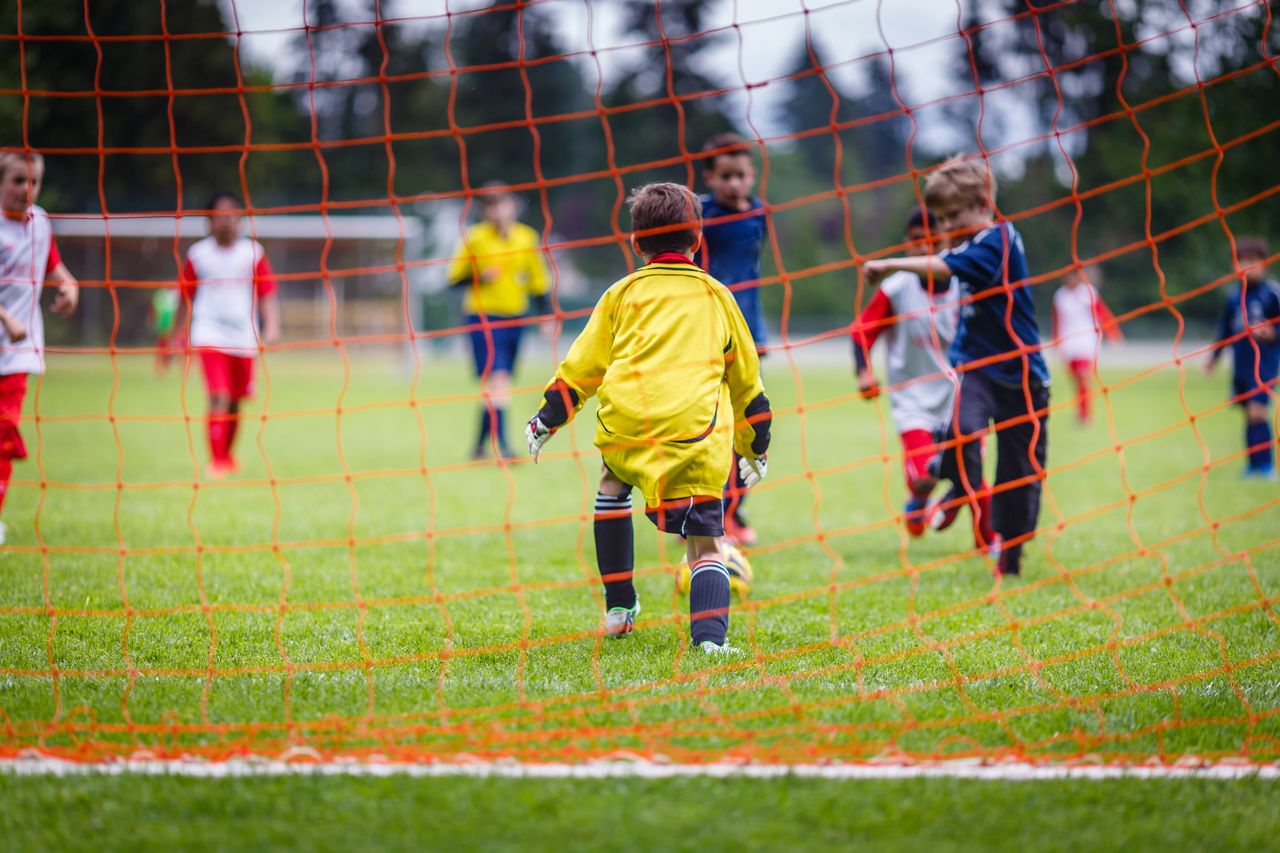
724,145
1252,246
223,195
665,218
917,218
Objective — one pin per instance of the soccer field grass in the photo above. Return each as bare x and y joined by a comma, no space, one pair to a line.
362,588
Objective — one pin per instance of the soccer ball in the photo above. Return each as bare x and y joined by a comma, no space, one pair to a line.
739,572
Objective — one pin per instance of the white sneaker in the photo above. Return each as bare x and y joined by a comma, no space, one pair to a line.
713,649
620,621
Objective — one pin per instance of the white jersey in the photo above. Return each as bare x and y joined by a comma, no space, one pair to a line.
227,283
26,250
916,346
1076,322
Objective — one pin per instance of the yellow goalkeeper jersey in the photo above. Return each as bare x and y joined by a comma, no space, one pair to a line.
670,356
500,273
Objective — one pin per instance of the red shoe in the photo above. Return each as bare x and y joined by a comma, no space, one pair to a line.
944,512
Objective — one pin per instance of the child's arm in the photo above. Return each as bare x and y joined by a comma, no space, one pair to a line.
1105,320
930,268
68,290
14,329
266,291
1224,331
866,330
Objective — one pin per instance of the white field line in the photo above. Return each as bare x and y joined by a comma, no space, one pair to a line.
998,771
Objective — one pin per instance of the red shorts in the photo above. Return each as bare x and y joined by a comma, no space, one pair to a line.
13,390
227,375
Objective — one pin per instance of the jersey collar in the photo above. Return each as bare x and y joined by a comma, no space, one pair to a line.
670,258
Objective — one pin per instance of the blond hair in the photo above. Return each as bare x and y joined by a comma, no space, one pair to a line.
670,210
961,179
16,156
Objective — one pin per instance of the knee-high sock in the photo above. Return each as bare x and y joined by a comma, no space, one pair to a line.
500,427
709,602
233,424
6,471
615,549
1257,437
735,490
219,427
486,425
982,532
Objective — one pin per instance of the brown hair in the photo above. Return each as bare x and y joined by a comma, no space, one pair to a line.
1254,247
665,218
960,179
724,145
9,156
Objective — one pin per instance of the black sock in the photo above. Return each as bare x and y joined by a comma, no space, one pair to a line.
615,549
709,602
482,440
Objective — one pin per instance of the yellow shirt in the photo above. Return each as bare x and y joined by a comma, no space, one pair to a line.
673,362
502,272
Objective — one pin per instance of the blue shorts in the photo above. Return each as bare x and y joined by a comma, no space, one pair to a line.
494,349
1246,391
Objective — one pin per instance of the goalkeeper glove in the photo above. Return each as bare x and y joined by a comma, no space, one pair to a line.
537,433
752,471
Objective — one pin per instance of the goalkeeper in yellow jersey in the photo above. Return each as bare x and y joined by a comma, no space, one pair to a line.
673,362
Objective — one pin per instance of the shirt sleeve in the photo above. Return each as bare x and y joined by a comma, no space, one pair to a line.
55,257
1227,317
264,278
870,323
978,262
188,281
539,278
751,414
585,364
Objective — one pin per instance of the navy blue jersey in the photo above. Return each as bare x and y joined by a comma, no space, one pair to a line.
993,268
1254,359
731,253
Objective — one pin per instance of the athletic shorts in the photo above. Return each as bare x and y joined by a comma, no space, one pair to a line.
494,349
1246,391
13,390
695,516
227,375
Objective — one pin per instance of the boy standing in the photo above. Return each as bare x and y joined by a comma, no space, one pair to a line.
733,233
1249,319
996,352
28,258
224,282
1080,319
917,323
676,369
499,263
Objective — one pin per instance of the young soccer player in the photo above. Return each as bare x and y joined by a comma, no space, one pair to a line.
226,283
996,352
1248,325
28,259
678,377
917,323
1080,319
499,262
732,233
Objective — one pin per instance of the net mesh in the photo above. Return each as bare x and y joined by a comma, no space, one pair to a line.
363,588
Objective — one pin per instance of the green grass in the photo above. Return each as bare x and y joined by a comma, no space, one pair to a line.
361,588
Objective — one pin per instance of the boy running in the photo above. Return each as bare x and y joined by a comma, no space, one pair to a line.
1080,319
225,281
732,234
1248,326
996,352
28,258
676,369
499,263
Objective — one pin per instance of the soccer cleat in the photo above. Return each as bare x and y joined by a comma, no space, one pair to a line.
913,516
718,649
1268,473
219,470
620,621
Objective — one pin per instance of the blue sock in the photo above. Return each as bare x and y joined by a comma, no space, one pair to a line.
482,443
1261,448
500,428
709,602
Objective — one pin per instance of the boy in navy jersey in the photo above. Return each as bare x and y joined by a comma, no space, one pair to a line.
732,234
996,352
1248,326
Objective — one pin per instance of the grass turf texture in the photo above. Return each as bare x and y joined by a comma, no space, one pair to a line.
133,813
361,587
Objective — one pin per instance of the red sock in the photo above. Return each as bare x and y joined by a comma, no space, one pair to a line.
219,428
982,532
1080,369
233,424
6,470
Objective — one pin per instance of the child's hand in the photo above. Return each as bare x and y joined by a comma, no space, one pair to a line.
868,388
536,433
1265,333
66,300
874,271
752,471
1209,366
17,331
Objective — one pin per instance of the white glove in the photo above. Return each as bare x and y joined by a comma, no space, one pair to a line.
537,433
752,471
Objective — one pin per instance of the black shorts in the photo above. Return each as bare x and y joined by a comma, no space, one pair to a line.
696,516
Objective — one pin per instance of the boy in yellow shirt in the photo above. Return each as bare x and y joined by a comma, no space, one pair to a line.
673,362
499,262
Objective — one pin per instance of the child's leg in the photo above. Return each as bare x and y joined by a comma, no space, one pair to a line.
1257,437
615,541
13,389
1080,370
917,450
971,416
1021,450
709,591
